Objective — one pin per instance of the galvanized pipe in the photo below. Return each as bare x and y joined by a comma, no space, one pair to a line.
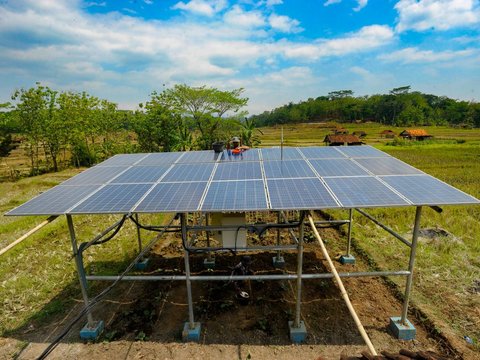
278,236
248,248
413,250
80,269
245,277
385,227
191,320
296,323
349,241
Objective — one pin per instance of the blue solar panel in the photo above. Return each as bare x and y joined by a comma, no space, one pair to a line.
235,196
189,172
249,155
162,158
112,199
287,169
141,174
361,151
54,201
173,197
363,192
289,153
97,175
238,171
123,159
299,194
426,190
321,152
387,166
199,156
337,167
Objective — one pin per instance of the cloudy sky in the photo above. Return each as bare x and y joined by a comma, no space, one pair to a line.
279,51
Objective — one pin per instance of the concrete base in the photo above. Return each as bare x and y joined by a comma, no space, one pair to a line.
347,259
92,332
191,334
209,263
297,335
278,262
142,265
401,331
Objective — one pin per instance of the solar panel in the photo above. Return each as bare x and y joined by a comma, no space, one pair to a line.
123,159
387,166
287,169
337,167
426,190
199,156
189,172
173,197
299,194
112,199
96,175
323,152
235,196
249,155
163,158
141,174
289,153
238,171
361,151
363,192
55,201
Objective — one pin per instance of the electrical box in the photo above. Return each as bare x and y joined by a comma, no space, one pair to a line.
234,238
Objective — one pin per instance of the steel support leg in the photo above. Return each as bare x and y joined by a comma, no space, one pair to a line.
80,268
296,323
413,250
349,241
191,319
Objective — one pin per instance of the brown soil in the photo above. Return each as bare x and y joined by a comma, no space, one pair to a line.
144,319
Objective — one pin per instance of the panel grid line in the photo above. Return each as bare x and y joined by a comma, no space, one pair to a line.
202,199
264,179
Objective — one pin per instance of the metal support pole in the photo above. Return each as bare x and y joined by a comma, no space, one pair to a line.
209,254
296,323
80,269
191,320
278,236
413,250
349,243
138,235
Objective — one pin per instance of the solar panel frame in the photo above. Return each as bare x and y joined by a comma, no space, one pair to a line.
427,190
141,174
238,171
163,158
365,191
123,160
337,167
321,152
233,196
361,151
288,153
189,172
96,175
387,166
199,157
248,155
287,169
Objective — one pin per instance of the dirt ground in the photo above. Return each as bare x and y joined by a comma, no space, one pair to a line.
144,320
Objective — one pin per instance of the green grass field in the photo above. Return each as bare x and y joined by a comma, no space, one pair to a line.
38,279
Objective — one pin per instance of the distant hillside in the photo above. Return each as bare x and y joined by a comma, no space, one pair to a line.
400,108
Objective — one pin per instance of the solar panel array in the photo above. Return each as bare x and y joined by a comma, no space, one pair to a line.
258,179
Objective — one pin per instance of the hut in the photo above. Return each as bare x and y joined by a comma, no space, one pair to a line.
415,134
339,140
340,131
389,134
361,134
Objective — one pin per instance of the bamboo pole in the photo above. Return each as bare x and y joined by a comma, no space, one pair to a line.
342,288
23,237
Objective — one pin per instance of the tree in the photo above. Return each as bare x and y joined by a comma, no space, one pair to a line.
6,141
249,129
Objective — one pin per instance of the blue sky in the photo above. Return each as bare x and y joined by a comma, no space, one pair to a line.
279,51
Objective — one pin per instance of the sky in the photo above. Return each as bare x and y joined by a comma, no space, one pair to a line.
279,51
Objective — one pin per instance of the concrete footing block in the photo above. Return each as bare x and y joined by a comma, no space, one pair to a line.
189,334
278,262
142,265
209,263
402,331
297,335
92,332
347,259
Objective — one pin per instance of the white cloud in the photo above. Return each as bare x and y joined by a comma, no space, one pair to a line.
331,2
274,2
415,55
361,5
284,23
148,2
367,38
202,7
249,19
436,14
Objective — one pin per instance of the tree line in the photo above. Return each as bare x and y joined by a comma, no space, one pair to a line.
63,128
400,107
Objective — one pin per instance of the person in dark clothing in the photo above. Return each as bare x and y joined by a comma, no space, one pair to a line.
242,268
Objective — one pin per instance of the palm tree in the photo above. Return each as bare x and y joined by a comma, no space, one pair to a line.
250,132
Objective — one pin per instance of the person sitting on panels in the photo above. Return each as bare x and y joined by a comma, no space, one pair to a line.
237,147
242,268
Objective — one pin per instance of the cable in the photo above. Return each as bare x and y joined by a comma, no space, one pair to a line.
97,298
98,240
